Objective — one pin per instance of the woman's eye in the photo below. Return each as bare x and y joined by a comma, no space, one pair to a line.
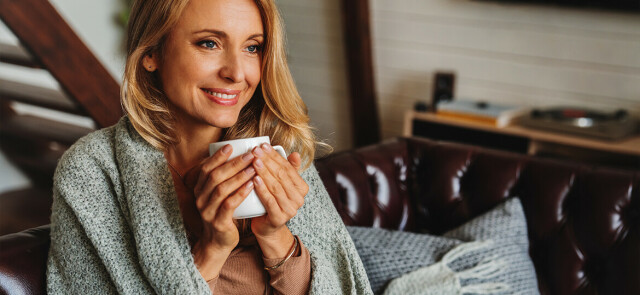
208,44
253,48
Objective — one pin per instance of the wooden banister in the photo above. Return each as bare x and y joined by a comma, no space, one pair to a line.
50,104
16,55
54,45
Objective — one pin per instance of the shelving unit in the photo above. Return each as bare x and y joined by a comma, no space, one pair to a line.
624,153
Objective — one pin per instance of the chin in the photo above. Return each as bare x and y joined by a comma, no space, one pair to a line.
222,122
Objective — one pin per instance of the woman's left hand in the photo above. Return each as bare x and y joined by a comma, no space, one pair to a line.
280,189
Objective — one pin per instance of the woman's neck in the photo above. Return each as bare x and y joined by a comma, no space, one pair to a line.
193,145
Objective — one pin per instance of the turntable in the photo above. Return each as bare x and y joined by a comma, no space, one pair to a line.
582,122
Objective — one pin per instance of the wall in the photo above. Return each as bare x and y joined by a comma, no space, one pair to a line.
317,62
507,53
515,54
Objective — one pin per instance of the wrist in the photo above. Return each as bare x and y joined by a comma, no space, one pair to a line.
277,245
269,265
209,260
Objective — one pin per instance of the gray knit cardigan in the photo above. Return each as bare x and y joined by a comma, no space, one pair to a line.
116,225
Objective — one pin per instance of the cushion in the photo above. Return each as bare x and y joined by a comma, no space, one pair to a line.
388,254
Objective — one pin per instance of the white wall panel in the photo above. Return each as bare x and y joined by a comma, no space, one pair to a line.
533,55
316,58
530,55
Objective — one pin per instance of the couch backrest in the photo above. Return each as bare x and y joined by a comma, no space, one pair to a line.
583,223
23,261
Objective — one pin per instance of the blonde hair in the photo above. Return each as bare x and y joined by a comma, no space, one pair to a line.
276,108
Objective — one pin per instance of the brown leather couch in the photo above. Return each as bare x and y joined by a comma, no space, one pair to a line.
584,223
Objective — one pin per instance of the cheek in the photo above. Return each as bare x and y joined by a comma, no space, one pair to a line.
180,74
186,68
254,74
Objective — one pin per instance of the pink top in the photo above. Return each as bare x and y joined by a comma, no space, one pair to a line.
244,273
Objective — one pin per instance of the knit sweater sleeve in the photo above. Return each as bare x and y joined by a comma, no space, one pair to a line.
336,267
91,250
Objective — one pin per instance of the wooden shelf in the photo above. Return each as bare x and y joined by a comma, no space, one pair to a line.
538,138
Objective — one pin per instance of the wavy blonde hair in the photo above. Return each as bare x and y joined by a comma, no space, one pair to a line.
276,108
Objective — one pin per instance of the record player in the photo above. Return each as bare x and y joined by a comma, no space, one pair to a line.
582,122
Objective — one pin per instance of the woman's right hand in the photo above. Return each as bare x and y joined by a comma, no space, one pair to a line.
219,189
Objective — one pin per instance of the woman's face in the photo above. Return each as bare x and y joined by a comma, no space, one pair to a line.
210,64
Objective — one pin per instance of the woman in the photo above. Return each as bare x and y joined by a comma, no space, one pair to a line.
140,207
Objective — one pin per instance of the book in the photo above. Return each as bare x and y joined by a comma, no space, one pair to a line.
480,112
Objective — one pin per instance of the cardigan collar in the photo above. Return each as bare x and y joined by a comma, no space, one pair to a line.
154,212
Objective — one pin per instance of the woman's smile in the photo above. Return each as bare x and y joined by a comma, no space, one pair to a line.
225,97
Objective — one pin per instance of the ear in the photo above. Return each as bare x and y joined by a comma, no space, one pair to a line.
149,62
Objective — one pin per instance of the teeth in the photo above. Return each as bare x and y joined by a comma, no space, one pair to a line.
221,95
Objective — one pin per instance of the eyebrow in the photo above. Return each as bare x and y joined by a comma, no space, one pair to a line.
224,35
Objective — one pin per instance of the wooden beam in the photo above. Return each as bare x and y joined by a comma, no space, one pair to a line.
14,54
33,127
357,34
49,103
46,35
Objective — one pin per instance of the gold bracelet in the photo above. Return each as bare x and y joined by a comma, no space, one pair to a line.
293,250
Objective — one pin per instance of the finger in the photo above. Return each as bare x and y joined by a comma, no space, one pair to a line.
232,202
277,165
295,160
273,184
223,173
282,170
284,194
210,163
212,201
274,212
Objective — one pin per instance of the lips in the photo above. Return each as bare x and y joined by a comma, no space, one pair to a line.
225,97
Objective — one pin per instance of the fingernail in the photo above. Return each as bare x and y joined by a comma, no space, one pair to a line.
247,157
259,164
250,171
226,149
258,151
258,180
249,185
266,146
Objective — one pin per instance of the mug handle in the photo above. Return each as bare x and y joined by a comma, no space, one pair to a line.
280,150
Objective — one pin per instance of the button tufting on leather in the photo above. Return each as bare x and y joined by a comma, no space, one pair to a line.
584,224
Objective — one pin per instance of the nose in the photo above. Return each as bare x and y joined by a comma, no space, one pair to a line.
231,69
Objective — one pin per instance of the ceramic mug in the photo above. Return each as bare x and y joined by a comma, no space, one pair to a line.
251,206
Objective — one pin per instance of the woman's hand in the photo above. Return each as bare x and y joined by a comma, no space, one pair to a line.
281,190
220,188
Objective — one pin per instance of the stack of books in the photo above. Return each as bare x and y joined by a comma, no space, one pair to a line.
480,112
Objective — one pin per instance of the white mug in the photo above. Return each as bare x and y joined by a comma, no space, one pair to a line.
251,206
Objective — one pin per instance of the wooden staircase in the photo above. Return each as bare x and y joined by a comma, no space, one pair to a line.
80,88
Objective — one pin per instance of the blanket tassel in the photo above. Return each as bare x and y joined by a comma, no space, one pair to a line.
486,269
486,288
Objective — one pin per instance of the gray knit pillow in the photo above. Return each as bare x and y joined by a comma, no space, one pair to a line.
389,254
